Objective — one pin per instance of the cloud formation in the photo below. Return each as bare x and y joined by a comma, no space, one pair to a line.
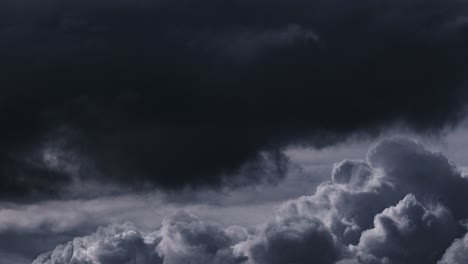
401,234
393,207
456,253
184,93
181,239
113,244
291,240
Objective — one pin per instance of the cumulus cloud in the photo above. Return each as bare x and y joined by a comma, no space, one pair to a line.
182,238
401,234
113,244
457,252
397,206
294,239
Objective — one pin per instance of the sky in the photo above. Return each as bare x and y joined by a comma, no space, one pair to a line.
233,132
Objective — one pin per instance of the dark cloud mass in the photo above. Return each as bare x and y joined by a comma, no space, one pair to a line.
178,93
382,218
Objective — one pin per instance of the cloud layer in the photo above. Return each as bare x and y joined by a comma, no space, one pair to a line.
183,93
397,206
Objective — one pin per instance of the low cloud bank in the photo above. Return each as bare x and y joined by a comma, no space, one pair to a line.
402,204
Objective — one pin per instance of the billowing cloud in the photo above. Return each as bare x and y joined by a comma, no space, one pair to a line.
186,93
181,239
401,234
393,207
113,244
185,239
456,253
292,240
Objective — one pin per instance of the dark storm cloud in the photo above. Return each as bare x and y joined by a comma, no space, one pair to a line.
377,219
178,93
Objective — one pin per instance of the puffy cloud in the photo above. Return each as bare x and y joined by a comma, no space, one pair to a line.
346,208
185,239
385,209
457,252
181,239
292,240
408,233
351,172
109,245
415,169
398,206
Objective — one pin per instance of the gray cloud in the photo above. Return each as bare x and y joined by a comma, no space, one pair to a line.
137,88
397,206
112,244
293,239
457,252
181,239
401,234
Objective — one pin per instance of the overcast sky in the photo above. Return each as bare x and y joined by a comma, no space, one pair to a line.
241,131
